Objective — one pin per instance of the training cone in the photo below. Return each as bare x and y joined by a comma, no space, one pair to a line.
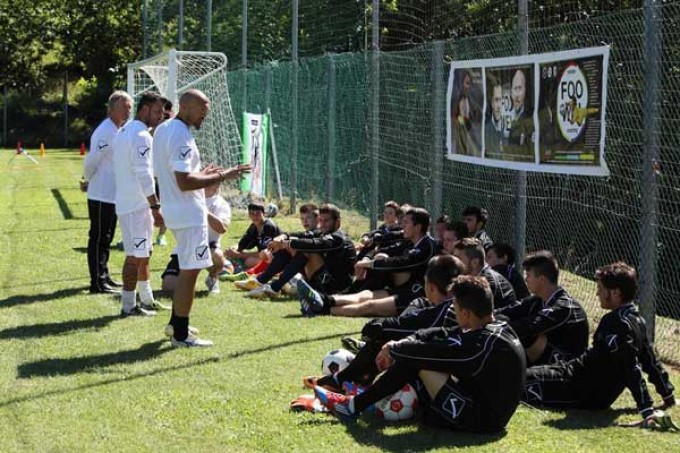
20,146
82,148
42,149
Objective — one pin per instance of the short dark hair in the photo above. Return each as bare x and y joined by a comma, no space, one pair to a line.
473,248
331,209
256,206
148,98
442,269
394,205
167,103
619,276
459,228
542,263
421,217
443,219
309,207
503,250
474,294
481,214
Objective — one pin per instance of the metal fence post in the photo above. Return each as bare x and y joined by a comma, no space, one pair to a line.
180,26
438,101
649,222
160,26
208,25
145,38
4,116
521,193
330,181
294,111
244,57
375,113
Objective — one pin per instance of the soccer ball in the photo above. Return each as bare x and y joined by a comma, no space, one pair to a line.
271,210
400,406
335,361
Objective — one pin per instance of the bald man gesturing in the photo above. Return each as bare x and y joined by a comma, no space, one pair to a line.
177,164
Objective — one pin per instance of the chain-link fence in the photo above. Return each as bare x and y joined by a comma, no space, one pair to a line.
358,125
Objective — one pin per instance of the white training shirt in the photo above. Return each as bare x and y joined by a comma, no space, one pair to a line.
218,207
133,167
175,151
99,163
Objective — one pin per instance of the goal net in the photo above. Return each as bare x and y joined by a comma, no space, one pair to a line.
173,73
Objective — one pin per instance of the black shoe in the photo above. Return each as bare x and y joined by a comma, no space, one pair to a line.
103,288
112,283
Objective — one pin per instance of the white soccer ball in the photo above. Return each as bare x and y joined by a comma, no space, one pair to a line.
271,210
336,360
400,406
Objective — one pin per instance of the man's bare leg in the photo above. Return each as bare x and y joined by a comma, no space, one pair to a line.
362,296
433,381
375,307
183,297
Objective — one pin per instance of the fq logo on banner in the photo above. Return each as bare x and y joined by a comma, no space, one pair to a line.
540,112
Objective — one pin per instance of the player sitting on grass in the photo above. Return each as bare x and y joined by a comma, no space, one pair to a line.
385,233
454,231
551,324
620,353
476,218
473,373
325,258
219,218
405,271
501,258
471,252
434,310
309,217
258,235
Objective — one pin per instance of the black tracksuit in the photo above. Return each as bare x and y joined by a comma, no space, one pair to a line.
515,278
503,293
253,238
617,359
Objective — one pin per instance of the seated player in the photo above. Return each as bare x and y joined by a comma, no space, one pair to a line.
258,235
258,285
620,353
471,252
434,310
404,273
325,258
454,231
476,218
551,324
309,217
501,258
439,228
382,236
219,218
473,373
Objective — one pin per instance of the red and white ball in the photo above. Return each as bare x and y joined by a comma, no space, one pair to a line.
400,406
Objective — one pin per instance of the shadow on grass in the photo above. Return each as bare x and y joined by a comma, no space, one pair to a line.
13,301
79,249
63,206
576,419
60,367
55,328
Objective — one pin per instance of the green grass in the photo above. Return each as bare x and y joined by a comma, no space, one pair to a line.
75,377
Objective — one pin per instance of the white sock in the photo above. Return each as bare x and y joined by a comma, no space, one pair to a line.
129,300
145,293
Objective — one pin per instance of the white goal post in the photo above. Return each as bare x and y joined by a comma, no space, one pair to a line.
172,73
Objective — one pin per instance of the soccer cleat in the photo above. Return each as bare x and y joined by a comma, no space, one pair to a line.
160,240
191,341
311,303
248,285
352,344
170,330
137,311
226,277
213,284
262,292
311,382
339,405
307,403
154,305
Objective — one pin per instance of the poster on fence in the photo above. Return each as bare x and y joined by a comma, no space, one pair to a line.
541,112
255,133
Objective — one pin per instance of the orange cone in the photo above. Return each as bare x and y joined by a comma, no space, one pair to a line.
42,149
20,146
82,148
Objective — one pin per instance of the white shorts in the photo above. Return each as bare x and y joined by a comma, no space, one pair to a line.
192,247
137,230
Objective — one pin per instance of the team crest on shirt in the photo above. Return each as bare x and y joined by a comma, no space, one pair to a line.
416,288
143,152
102,144
202,253
453,405
184,153
612,342
534,392
139,243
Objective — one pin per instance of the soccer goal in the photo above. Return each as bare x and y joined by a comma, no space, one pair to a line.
174,72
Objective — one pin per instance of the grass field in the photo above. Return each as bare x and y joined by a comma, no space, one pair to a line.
75,377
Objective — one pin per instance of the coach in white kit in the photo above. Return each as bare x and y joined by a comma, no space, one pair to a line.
181,180
136,203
